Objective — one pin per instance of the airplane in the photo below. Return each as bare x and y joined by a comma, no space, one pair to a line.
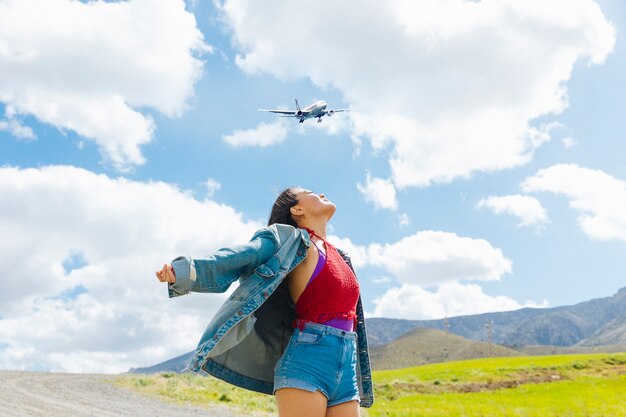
317,109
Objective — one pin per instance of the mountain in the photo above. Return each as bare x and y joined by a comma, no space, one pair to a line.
591,323
595,325
176,364
381,331
421,346
614,332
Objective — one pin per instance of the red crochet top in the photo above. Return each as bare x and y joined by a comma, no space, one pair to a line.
333,293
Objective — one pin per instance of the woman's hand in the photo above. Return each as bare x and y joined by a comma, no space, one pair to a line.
166,274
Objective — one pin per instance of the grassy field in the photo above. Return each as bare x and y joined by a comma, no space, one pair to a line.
200,391
542,386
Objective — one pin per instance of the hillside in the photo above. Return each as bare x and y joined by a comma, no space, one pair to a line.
422,346
614,332
539,350
596,322
176,364
591,326
549,386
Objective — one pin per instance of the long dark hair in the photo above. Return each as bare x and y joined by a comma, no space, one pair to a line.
280,210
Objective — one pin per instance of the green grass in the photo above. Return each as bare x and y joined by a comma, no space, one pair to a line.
566,385
533,386
200,391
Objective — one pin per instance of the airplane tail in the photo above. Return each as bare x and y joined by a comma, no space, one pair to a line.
297,105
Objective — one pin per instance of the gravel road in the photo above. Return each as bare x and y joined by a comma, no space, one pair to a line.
69,395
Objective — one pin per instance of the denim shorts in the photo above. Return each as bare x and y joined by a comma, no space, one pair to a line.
320,358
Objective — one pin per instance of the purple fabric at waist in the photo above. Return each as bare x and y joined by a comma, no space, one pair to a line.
343,324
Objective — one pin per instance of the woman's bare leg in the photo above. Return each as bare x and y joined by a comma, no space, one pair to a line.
347,409
294,402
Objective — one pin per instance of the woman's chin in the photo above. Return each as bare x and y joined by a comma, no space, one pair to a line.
330,210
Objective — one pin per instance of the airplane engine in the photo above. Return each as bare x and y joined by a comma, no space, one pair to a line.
330,112
299,113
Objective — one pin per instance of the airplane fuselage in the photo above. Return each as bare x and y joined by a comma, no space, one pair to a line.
314,110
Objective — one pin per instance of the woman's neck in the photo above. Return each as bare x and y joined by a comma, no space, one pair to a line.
319,227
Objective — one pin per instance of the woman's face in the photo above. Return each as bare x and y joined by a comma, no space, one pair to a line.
312,205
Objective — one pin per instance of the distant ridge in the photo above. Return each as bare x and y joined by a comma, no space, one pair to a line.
596,322
176,364
614,332
421,346
597,325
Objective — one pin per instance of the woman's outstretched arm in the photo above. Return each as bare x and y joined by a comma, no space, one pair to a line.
218,271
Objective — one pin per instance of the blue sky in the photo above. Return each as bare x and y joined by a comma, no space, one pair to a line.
106,156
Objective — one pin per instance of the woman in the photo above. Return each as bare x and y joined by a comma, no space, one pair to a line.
294,327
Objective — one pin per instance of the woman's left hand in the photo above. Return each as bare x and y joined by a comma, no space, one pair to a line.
166,274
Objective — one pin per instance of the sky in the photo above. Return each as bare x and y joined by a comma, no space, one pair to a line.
480,166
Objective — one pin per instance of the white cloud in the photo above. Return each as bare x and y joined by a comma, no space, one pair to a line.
569,142
404,219
358,253
438,260
380,192
79,254
528,209
212,186
600,197
263,135
16,128
382,280
431,258
192,3
95,67
449,300
446,88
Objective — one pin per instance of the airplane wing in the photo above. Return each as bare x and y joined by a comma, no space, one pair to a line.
331,111
287,112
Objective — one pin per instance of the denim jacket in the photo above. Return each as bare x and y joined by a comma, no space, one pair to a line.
250,331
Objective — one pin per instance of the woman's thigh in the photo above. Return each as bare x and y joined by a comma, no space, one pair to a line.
347,409
295,402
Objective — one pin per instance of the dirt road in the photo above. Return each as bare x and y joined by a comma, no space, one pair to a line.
69,395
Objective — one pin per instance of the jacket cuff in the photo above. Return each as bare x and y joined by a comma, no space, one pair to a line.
185,276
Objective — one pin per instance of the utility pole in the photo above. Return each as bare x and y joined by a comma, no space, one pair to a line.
489,327
446,350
